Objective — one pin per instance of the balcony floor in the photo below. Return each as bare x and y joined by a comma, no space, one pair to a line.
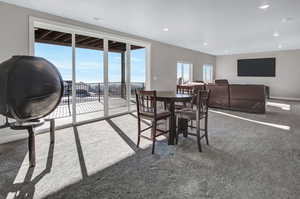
250,156
88,110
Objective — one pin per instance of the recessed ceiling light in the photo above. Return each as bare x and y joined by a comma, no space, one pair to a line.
166,29
287,19
264,6
97,19
205,44
279,46
276,34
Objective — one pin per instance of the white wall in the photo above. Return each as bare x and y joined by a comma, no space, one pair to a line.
164,63
286,84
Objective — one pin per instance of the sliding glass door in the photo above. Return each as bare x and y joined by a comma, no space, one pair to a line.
56,47
117,84
100,75
89,77
137,72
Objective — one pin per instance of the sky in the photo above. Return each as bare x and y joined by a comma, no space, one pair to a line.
89,63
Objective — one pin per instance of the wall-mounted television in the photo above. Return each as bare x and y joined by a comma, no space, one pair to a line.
264,67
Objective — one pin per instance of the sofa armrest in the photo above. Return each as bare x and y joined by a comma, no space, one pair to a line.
250,98
219,96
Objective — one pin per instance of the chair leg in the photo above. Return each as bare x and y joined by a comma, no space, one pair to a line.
52,131
183,126
139,133
206,131
199,136
170,128
177,130
166,124
153,136
31,146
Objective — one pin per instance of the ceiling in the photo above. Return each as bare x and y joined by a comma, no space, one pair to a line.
211,26
65,39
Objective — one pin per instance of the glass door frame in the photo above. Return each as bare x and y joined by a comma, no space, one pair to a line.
35,22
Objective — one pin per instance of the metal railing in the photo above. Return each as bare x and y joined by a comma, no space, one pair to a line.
90,98
87,93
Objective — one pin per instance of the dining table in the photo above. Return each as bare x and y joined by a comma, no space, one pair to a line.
170,97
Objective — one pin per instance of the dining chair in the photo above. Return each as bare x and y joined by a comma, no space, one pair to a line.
181,89
147,109
200,101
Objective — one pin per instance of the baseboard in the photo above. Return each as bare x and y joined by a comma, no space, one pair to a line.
285,98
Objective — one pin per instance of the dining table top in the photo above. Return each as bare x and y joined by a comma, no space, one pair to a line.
193,84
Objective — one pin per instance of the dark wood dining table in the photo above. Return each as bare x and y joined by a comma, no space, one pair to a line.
170,97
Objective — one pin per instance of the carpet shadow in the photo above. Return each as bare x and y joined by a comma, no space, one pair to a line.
80,153
26,189
123,135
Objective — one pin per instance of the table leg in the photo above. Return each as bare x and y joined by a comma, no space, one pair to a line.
172,124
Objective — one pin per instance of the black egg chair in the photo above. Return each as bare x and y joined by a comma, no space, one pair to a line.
30,89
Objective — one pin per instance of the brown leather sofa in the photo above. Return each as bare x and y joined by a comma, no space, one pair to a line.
246,98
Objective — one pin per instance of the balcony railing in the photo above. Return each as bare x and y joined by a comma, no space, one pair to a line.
86,92
90,98
88,95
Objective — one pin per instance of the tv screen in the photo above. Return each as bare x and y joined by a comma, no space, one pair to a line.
257,67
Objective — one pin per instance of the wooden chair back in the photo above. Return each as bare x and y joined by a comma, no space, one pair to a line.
146,102
202,101
184,89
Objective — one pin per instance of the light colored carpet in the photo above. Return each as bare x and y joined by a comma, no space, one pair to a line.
250,156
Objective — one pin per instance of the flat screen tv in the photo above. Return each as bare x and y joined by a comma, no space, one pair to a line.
257,67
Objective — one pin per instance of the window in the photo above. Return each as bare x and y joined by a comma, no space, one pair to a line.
208,73
184,72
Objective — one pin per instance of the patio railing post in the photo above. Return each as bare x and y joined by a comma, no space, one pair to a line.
99,92
69,99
